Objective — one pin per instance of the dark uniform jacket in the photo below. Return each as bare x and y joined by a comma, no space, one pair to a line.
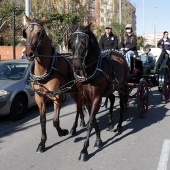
165,44
110,42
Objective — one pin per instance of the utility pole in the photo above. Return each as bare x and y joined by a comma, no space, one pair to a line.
143,23
27,10
155,26
120,16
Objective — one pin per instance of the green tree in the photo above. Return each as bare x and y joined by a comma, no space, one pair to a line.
59,17
140,41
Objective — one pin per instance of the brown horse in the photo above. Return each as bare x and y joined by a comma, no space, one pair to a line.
50,73
97,76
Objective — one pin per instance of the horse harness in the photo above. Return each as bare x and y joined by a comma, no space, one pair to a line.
104,55
34,22
37,80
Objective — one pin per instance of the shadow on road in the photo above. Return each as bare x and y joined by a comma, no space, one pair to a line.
156,113
8,127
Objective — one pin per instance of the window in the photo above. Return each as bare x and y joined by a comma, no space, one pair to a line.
92,9
92,1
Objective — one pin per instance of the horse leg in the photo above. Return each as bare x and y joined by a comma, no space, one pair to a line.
123,109
42,108
78,101
109,115
56,119
98,142
95,108
82,113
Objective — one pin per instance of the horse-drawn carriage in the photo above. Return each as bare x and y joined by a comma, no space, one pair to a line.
92,76
144,77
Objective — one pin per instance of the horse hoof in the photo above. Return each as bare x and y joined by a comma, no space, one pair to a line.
73,132
83,157
40,149
98,144
110,128
63,132
119,129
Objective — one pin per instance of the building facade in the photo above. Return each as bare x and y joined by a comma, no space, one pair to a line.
152,39
105,12
109,12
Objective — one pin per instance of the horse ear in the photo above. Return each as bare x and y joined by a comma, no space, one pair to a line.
43,19
88,27
27,19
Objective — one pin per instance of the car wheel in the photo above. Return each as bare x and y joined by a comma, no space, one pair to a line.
18,107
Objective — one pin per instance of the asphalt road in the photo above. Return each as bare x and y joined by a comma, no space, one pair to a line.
144,144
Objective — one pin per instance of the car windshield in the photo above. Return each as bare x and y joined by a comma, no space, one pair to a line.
13,71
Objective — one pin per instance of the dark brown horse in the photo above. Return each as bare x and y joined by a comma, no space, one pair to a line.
50,73
97,76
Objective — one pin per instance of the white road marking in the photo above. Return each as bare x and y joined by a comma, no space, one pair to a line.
164,155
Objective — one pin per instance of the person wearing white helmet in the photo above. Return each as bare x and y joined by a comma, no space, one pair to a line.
128,43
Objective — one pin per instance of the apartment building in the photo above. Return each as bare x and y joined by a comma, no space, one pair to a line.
104,12
152,39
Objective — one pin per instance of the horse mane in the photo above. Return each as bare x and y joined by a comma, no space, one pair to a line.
94,49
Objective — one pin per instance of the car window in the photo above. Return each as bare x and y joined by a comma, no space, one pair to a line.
14,71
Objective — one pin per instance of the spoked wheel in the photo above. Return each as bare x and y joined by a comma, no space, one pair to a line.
166,85
142,97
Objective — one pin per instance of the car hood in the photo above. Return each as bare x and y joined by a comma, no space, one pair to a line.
4,84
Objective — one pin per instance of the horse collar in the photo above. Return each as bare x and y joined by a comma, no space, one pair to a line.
47,74
91,76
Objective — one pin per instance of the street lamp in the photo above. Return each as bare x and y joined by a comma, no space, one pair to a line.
13,30
120,12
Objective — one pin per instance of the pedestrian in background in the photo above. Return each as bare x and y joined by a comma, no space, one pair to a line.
165,42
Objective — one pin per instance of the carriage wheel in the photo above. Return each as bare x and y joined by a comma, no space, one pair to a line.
142,97
166,85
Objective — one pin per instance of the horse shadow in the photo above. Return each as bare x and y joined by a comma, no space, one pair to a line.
133,121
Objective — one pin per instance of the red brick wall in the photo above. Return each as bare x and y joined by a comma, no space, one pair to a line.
6,52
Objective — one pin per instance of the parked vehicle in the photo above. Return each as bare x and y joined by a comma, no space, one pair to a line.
14,97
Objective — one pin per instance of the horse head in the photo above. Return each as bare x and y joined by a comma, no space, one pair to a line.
34,35
84,48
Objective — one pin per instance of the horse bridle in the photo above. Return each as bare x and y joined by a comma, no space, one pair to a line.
87,41
40,36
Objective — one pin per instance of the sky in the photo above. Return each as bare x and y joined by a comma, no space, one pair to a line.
156,15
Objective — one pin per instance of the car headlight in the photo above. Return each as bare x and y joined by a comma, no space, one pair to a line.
3,92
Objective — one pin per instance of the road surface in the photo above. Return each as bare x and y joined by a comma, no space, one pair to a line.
144,144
